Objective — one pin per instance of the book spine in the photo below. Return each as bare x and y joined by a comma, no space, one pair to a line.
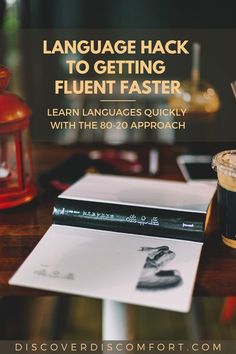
130,219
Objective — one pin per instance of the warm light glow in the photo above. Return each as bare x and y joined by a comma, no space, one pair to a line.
210,91
186,97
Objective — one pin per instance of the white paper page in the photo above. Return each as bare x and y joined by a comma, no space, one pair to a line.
142,192
109,265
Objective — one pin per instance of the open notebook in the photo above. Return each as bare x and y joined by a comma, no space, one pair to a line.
125,266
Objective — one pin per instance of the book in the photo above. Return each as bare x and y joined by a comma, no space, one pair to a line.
135,205
80,255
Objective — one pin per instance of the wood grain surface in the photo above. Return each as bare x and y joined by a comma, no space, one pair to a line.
21,228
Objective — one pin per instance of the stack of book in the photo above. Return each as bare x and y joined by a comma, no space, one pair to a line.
133,240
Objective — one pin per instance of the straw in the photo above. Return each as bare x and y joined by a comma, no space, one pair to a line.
233,85
196,63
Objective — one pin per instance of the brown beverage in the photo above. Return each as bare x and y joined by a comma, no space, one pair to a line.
224,164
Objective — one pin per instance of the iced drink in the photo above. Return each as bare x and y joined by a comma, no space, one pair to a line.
224,163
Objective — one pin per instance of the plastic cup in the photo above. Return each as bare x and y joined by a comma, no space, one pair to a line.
224,163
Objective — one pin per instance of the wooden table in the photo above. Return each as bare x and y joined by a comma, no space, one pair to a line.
21,229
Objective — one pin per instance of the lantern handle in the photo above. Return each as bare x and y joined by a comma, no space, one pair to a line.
4,77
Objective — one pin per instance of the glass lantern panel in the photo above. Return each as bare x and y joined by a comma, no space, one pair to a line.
26,155
8,166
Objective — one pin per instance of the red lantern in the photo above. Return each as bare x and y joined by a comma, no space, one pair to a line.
16,183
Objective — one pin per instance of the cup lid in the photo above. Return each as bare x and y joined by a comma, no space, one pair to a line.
225,162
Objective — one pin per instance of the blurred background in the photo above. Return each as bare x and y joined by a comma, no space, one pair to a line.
23,23
79,318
